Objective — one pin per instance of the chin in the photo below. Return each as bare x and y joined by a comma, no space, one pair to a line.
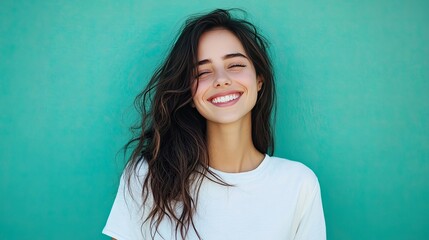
228,119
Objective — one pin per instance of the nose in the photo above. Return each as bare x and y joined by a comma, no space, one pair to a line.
221,79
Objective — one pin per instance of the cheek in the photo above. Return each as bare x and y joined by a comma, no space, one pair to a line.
198,89
249,80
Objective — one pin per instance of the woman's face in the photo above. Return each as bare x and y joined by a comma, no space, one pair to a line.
227,82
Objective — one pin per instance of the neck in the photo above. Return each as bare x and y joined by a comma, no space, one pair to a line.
231,147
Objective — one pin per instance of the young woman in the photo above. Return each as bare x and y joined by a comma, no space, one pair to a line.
200,168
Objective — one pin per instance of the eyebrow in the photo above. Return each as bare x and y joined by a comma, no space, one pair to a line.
227,56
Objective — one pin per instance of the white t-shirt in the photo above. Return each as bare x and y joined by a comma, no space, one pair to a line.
280,199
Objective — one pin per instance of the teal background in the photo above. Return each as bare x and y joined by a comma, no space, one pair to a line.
353,104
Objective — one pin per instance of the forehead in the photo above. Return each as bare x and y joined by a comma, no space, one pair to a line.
217,43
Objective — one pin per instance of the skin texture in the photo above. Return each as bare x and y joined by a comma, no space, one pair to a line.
225,70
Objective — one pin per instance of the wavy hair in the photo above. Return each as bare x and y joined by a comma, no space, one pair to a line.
171,136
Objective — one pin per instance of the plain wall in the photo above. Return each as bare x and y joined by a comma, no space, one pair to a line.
353,105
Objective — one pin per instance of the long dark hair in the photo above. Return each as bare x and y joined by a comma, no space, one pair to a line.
171,137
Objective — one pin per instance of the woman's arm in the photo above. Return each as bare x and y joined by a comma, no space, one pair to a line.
312,225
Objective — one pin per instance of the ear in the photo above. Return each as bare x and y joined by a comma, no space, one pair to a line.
192,104
259,82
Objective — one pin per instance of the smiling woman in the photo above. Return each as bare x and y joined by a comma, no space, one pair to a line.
200,168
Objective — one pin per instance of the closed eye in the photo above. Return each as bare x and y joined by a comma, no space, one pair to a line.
200,74
238,65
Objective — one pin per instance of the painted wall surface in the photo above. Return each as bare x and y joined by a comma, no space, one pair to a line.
353,104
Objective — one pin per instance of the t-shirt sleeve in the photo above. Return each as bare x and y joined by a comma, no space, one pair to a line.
123,221
312,224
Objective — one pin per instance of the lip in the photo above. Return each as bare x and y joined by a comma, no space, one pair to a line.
225,104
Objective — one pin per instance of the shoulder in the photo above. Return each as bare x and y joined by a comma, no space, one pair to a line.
129,209
294,172
133,177
292,167
136,170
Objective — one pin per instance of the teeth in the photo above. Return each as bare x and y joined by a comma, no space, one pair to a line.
226,98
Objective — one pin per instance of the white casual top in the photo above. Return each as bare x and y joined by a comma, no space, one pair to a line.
280,199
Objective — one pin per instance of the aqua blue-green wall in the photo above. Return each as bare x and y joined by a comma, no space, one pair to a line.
353,104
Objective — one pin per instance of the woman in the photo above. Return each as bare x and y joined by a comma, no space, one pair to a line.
200,169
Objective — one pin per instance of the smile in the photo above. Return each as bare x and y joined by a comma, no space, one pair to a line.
225,98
